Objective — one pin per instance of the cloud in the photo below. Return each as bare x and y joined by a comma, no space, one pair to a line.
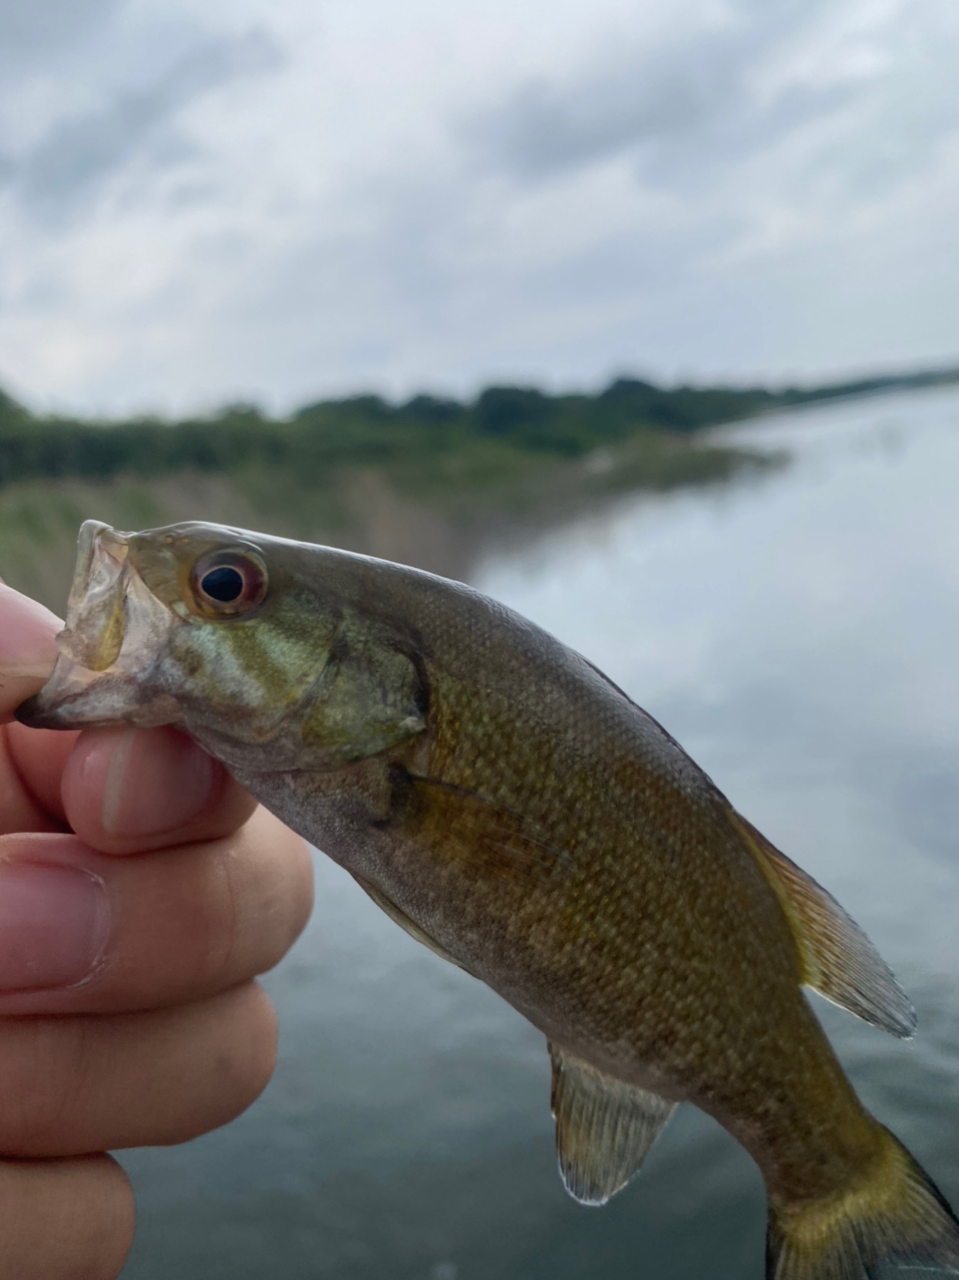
675,99
443,193
709,94
34,28
62,173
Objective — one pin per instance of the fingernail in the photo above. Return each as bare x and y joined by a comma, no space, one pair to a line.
54,925
157,780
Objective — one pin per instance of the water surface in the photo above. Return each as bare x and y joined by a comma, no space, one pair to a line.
799,634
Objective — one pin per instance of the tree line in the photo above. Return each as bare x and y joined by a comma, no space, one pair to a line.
365,430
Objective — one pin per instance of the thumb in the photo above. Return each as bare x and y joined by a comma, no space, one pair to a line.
27,649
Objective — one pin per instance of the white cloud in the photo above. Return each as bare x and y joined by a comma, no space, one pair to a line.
435,194
61,172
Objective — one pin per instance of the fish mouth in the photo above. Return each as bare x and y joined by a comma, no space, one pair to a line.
115,630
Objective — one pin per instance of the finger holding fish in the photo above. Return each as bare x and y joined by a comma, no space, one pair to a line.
83,932
59,1218
220,898
122,789
130,790
64,1219
71,1086
27,655
33,806
127,1010
27,648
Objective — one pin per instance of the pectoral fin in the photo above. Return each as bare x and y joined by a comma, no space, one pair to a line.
604,1128
402,919
481,833
838,959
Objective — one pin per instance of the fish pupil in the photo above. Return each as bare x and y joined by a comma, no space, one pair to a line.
224,584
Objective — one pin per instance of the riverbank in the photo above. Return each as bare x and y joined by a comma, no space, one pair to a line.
438,513
428,482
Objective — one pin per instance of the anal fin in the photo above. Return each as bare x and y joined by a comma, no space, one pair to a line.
604,1128
838,959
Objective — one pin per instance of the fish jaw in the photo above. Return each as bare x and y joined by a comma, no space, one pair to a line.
115,629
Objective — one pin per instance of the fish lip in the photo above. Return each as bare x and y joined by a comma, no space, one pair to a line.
32,714
43,711
94,606
98,545
115,630
74,698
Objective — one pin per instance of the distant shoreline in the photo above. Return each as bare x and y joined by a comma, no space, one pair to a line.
505,428
431,483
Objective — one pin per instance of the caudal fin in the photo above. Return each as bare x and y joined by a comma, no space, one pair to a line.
893,1214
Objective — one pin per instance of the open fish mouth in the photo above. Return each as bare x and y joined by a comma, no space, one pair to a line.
115,630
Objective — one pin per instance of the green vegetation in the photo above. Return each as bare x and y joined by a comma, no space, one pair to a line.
427,481
365,430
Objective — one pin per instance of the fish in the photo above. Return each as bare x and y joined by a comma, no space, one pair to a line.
516,812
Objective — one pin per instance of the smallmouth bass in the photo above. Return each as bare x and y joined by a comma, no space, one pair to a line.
516,812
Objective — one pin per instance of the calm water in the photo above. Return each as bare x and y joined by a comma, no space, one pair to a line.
800,636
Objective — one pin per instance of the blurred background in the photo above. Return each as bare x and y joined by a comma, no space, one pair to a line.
644,319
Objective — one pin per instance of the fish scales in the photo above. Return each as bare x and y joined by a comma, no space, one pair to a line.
513,809
614,923
653,828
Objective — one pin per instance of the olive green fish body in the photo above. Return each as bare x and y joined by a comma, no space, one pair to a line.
515,811
633,926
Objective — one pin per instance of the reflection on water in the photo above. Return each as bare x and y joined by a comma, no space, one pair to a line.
801,638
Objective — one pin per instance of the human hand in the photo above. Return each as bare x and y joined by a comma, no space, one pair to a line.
141,890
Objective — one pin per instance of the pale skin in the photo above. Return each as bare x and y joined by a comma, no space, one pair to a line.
142,889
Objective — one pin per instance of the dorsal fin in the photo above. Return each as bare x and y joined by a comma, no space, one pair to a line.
604,1127
838,959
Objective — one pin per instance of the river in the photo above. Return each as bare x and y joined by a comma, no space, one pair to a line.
798,632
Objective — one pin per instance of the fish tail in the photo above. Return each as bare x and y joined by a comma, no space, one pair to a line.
892,1213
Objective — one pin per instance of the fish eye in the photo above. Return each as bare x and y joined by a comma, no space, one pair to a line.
223,583
227,583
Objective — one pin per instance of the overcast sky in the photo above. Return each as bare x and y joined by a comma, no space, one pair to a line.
210,200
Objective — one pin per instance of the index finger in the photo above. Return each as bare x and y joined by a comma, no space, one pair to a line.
27,648
27,654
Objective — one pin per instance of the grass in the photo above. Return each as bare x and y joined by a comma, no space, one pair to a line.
437,510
